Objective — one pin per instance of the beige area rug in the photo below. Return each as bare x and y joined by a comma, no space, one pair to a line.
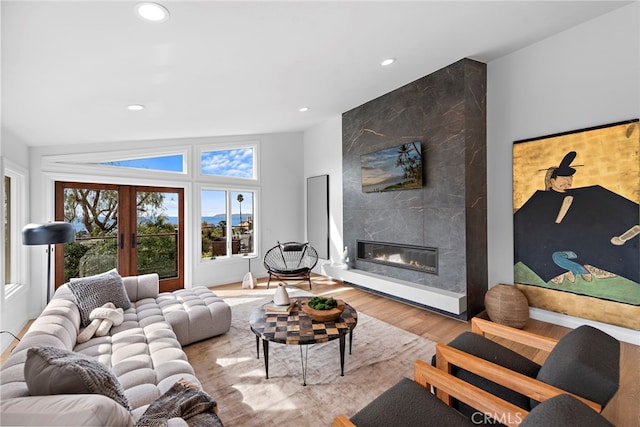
229,371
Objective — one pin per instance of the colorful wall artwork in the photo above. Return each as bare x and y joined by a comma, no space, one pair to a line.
577,222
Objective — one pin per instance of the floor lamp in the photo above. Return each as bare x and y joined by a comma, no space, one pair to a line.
48,234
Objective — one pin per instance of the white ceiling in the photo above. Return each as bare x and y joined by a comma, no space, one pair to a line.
69,69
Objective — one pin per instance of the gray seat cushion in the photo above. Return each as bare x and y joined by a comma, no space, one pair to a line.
585,362
407,404
564,411
491,351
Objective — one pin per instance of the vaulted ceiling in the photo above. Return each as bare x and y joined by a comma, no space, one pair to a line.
71,68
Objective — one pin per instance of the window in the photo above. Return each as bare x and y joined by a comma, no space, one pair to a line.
7,229
220,182
14,210
159,163
172,163
227,222
231,163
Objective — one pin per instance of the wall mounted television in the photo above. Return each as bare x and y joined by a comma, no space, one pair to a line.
394,168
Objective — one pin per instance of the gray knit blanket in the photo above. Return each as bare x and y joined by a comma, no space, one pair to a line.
185,400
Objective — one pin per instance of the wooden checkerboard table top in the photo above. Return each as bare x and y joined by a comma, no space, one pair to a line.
297,328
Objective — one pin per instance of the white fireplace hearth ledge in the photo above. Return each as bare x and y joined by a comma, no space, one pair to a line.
451,302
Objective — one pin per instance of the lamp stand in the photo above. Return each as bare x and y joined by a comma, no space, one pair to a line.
49,250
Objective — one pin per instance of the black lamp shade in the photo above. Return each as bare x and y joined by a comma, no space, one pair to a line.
49,233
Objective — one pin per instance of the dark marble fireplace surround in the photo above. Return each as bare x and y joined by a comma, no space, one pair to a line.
446,111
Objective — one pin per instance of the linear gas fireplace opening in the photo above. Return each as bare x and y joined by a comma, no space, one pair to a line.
412,257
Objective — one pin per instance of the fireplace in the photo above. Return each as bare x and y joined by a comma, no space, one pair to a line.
420,258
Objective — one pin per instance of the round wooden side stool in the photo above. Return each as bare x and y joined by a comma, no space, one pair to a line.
507,305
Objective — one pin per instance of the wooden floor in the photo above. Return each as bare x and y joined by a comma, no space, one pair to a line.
623,410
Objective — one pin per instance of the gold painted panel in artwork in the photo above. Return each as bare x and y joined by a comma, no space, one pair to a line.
607,156
614,313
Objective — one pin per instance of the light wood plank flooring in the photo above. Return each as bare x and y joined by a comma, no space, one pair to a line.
623,410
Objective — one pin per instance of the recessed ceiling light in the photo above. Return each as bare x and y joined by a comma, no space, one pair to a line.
135,107
388,61
303,109
152,12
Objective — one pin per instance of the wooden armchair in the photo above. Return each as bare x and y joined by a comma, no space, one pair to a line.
411,404
585,363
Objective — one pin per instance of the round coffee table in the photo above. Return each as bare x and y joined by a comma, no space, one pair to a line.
297,328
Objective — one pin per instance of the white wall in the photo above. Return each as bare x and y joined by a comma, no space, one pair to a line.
282,194
279,208
323,156
14,148
15,305
583,77
280,212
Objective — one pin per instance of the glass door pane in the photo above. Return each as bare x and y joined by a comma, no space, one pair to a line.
242,214
213,223
7,230
94,214
157,233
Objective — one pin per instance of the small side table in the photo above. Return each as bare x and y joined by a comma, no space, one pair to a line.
249,282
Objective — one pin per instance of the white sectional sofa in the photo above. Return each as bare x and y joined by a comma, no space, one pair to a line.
144,353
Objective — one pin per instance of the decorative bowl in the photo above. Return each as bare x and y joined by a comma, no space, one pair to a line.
323,315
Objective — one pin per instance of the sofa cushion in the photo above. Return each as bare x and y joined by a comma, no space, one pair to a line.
94,291
51,370
64,410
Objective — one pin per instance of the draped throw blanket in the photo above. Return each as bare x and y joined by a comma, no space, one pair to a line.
185,400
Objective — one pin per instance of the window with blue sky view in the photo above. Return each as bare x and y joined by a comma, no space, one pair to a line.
227,222
234,163
172,163
227,214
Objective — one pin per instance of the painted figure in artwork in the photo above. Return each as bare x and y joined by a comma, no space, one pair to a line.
560,179
563,233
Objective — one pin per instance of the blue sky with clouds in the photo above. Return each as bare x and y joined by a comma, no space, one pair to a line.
236,163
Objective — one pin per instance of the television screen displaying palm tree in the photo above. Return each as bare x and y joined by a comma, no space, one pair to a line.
395,168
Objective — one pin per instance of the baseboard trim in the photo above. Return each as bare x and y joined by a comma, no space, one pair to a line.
444,301
618,332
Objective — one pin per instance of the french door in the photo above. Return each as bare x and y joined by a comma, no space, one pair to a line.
135,229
